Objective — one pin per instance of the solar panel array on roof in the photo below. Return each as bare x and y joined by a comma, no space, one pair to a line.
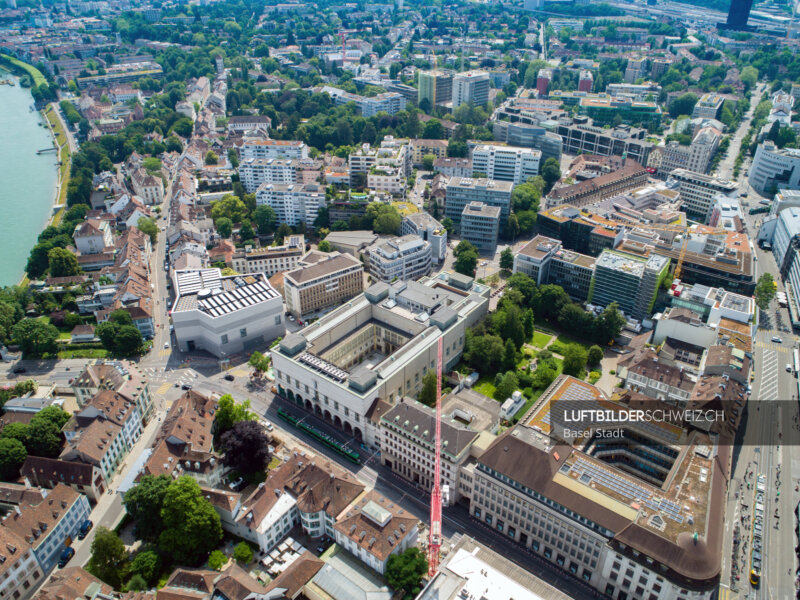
237,299
323,366
190,282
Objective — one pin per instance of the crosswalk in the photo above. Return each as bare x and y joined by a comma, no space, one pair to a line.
768,389
162,389
725,593
164,352
773,346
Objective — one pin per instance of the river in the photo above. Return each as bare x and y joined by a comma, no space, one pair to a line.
27,180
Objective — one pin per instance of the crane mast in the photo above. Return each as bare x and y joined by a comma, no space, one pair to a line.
435,534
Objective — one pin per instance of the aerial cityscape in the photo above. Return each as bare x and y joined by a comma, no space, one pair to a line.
350,300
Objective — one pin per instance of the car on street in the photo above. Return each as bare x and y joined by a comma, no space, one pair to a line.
65,557
186,386
86,527
269,426
228,377
776,339
166,344
19,369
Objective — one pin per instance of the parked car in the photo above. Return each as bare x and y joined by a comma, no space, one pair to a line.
166,344
186,386
269,426
65,557
228,377
776,339
234,485
86,527
19,369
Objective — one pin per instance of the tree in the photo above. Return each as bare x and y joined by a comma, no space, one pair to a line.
595,355
62,263
15,431
749,76
258,361
211,158
484,352
242,553
144,501
147,565
427,162
404,571
508,385
448,224
217,560
551,172
528,324
544,375
526,196
325,246
246,230
427,395
509,355
44,438
229,413
229,206
53,414
12,455
246,447
137,584
466,263
507,259
765,291
148,226
120,340
433,130
575,360
609,323
682,105
224,227
34,336
191,525
109,560
264,218
282,231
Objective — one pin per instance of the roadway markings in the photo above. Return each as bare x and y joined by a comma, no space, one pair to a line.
239,372
164,352
724,593
163,389
768,390
775,347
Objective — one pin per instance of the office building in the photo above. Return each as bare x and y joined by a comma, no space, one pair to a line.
435,86
322,281
709,106
293,203
738,14
637,91
545,261
225,315
635,69
480,225
627,529
630,281
254,172
581,137
527,135
461,191
605,109
270,259
401,258
699,192
585,81
543,79
471,87
504,163
695,157
429,229
376,348
774,169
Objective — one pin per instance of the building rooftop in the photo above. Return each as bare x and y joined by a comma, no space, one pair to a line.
208,291
322,268
479,209
539,247
487,184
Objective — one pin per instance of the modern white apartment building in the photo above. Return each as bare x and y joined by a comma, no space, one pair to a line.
386,167
505,163
695,157
376,348
388,102
322,281
774,169
225,315
254,172
270,259
261,148
293,203
402,258
471,87
709,106
699,192
429,229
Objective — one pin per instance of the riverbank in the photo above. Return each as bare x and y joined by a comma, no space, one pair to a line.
22,68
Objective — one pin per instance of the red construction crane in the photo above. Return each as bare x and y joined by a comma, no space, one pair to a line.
343,35
435,535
